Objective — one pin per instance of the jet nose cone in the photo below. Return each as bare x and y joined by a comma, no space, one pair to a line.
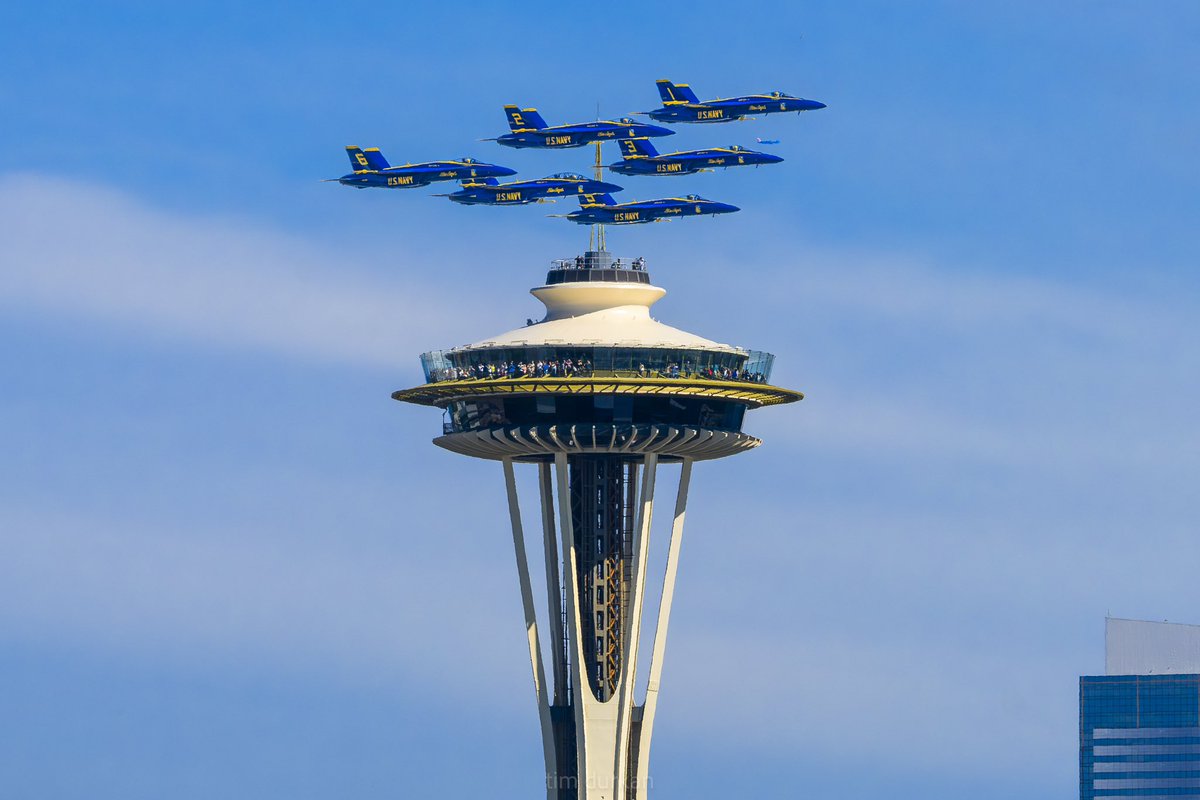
725,208
657,130
813,105
771,158
504,172
608,188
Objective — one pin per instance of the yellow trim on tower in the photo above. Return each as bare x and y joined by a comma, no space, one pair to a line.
444,392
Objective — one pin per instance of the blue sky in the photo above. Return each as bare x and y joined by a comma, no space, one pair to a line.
231,566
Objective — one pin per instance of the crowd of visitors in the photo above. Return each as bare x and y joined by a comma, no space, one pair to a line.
709,373
582,368
580,262
551,368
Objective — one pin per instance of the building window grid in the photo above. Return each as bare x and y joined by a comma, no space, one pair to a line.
1140,702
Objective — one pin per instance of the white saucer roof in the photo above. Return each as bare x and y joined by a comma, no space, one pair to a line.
605,314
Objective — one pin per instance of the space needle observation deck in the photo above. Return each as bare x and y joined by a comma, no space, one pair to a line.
597,374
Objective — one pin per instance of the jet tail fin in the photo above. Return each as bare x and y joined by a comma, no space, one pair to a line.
637,148
523,119
674,94
605,199
375,158
358,159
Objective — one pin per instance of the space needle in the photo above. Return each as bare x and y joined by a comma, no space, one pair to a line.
594,397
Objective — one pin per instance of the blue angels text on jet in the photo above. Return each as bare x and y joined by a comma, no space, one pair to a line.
372,169
490,192
530,130
602,209
638,157
680,104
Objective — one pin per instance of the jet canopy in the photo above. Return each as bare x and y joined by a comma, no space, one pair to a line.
568,176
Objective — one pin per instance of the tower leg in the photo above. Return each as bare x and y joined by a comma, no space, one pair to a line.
563,778
553,584
633,626
535,648
641,784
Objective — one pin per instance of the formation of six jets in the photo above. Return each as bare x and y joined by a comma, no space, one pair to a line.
596,204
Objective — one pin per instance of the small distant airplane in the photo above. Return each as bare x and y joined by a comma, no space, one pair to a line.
638,157
766,141
490,192
372,169
601,208
680,104
530,130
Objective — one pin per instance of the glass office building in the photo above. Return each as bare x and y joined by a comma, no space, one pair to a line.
1139,734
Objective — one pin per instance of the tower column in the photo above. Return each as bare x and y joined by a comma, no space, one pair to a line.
554,600
535,647
641,752
633,627
561,780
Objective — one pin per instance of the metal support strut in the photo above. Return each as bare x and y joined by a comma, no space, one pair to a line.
596,241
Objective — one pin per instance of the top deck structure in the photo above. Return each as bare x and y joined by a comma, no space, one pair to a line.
597,373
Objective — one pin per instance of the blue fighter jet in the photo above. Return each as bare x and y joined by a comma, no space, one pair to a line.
601,208
680,104
490,192
372,169
638,157
530,130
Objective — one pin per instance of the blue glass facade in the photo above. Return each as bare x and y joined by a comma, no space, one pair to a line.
1139,736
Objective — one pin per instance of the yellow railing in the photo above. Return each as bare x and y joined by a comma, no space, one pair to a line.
444,392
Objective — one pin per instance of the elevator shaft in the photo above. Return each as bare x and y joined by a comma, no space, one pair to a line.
603,502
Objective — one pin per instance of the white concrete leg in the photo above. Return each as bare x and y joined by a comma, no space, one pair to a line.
553,583
642,784
633,622
535,648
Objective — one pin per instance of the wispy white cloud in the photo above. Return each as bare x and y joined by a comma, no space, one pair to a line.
849,700
249,599
88,251
911,289
910,358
